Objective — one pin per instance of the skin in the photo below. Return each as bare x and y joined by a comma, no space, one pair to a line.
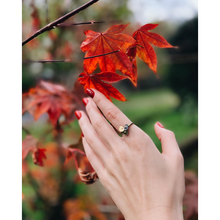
144,183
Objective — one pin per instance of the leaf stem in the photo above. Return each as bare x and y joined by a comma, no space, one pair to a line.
26,131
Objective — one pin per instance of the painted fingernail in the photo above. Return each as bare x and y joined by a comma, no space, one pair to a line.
159,124
82,135
85,101
90,93
78,114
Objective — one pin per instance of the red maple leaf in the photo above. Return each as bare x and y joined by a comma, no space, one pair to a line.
85,170
107,42
144,39
51,98
98,81
38,154
131,53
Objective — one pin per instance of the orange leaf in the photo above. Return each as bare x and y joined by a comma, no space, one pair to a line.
107,42
85,170
97,81
38,156
49,98
30,144
144,39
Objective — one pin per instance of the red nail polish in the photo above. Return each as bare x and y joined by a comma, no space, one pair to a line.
78,114
90,93
159,124
85,101
82,135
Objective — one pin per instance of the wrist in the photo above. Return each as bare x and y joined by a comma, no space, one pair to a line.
162,213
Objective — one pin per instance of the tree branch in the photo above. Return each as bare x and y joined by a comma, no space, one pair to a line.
60,20
67,60
86,22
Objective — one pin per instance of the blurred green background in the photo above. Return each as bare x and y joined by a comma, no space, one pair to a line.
171,98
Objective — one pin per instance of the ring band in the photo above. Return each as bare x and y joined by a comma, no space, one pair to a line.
124,129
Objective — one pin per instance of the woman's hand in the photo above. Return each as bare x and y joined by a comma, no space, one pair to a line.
143,183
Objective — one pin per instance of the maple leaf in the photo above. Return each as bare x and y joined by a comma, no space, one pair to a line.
51,98
30,144
144,39
107,42
98,81
131,53
85,170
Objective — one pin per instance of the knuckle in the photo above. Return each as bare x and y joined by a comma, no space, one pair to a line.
111,114
170,134
89,139
120,156
97,124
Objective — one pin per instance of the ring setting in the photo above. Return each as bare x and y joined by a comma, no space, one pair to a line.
124,129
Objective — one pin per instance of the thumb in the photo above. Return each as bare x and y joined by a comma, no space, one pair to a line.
167,138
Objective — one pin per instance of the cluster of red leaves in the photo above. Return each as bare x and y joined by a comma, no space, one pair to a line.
49,98
31,144
121,51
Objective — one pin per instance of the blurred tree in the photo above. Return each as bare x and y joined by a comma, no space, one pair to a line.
182,76
62,43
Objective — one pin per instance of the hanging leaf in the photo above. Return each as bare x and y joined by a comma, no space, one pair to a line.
49,98
30,144
144,39
102,82
85,170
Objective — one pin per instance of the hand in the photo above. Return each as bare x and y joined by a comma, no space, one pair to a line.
144,183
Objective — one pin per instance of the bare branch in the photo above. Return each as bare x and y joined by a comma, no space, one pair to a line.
60,20
67,60
82,23
25,130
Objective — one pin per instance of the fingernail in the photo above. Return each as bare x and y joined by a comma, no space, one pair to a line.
159,124
85,101
82,135
78,114
90,93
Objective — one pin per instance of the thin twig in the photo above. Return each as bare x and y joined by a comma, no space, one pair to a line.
67,60
80,23
86,22
46,61
26,131
60,20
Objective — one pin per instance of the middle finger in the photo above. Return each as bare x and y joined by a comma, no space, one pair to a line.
101,126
